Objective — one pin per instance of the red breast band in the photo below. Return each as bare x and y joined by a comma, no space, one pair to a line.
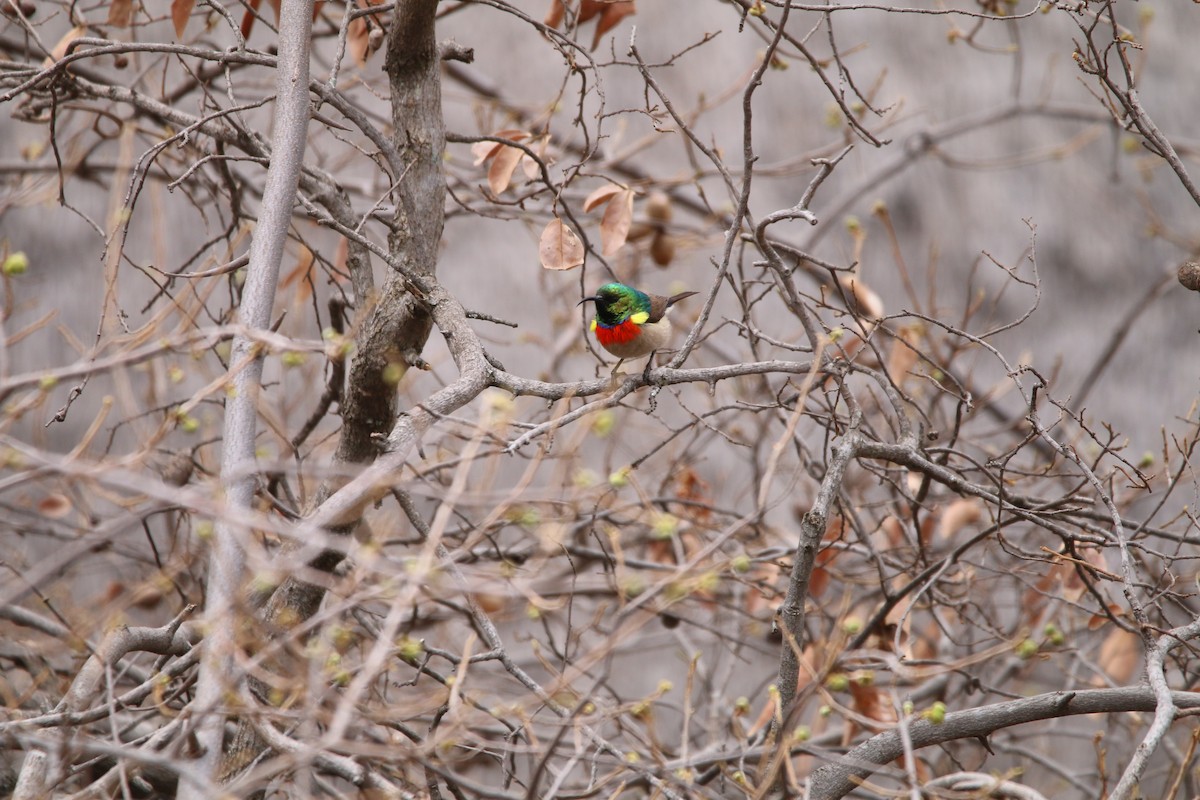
624,333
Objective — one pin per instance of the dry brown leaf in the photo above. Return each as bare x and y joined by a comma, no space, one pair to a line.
358,41
587,9
614,226
868,701
54,506
962,512
148,597
601,196
300,275
696,492
503,165
530,166
903,355
923,647
60,49
613,13
893,531
249,17
341,261
925,533
559,247
489,602
1098,621
1120,655
554,16
482,151
485,150
819,579
865,301
120,13
762,594
609,13
1067,573
181,11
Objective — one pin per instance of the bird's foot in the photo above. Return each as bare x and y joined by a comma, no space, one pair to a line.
615,377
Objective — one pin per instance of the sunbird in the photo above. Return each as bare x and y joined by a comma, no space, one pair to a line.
630,323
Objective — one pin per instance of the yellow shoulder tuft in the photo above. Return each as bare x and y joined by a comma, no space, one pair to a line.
639,318
592,327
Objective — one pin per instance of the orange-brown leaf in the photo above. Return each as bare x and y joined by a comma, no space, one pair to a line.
249,17
1120,655
181,10
693,489
301,275
956,516
893,531
762,594
60,49
554,16
614,226
559,247
1097,621
864,301
868,701
120,13
54,506
607,13
485,150
610,16
903,355
503,165
530,167
589,9
341,260
358,41
601,196
818,581
482,151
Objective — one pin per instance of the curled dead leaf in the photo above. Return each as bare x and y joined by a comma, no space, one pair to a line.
601,196
60,49
610,12
559,247
485,150
614,226
120,13
358,41
865,303
504,163
529,165
903,355
962,512
54,506
1120,655
181,10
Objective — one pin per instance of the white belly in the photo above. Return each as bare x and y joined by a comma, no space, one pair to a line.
654,336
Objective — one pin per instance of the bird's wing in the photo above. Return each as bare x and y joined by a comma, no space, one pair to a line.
660,304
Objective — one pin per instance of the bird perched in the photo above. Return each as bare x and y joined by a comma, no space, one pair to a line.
630,323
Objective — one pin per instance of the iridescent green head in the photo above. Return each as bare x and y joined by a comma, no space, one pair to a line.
616,302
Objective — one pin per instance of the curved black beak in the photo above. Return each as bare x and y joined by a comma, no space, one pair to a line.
584,300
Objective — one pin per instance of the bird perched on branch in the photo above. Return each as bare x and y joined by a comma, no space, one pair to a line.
630,323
